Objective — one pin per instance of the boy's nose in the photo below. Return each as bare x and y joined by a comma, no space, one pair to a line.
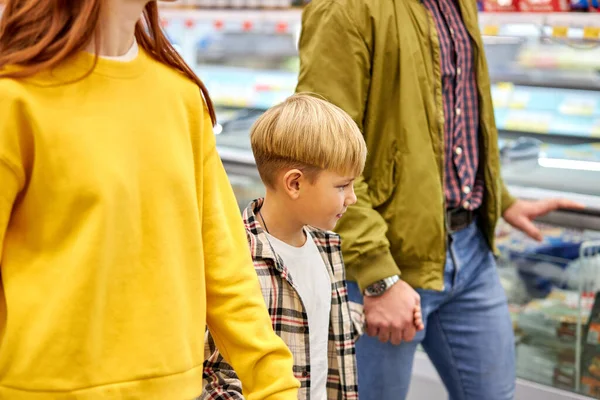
351,198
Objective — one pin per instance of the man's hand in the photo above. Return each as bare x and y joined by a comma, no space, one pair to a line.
521,214
391,316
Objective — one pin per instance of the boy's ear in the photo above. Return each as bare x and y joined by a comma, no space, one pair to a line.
292,180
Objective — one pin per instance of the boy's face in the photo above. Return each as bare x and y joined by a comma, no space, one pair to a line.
323,202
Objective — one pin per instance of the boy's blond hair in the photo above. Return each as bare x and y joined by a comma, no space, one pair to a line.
307,133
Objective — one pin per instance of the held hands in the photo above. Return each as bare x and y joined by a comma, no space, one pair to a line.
395,315
521,214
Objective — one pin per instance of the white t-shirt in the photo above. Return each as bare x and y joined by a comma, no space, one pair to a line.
129,56
311,277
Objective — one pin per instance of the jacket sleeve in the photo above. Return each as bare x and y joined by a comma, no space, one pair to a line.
335,63
220,381
506,198
236,313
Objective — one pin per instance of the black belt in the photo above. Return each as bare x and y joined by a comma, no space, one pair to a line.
458,219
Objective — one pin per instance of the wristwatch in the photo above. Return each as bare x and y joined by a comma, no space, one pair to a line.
378,288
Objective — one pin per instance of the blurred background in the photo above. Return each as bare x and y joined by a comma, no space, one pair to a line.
544,59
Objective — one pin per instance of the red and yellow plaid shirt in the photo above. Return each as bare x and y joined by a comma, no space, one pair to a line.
290,320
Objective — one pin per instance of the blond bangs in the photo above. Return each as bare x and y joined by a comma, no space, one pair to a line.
305,131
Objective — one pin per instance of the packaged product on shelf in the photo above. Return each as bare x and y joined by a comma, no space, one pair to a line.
205,3
564,377
515,310
239,4
534,364
541,362
501,5
555,317
544,5
275,4
514,287
590,356
548,331
580,5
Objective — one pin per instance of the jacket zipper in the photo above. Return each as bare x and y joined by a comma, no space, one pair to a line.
486,138
442,146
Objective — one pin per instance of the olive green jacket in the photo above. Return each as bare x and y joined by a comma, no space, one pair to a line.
379,60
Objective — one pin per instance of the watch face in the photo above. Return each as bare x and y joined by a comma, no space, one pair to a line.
377,288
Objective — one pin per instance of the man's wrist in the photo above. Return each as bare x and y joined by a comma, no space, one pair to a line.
372,267
380,287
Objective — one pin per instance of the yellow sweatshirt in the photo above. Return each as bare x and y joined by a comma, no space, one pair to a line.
120,238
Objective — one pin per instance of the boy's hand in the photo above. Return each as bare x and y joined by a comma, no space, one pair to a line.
419,318
391,316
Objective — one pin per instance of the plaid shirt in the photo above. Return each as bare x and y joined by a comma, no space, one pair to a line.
464,184
290,320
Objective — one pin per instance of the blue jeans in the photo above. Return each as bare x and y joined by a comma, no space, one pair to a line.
468,332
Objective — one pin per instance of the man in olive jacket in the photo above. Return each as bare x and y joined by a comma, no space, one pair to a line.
413,75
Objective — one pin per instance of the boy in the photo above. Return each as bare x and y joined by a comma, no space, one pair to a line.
308,153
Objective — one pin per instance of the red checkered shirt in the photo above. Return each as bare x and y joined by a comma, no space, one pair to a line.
464,184
290,320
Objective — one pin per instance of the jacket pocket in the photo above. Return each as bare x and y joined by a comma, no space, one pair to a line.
384,178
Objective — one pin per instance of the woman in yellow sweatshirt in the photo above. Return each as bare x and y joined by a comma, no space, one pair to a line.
120,237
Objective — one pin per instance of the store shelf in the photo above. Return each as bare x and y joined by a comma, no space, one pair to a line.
570,25
564,112
547,122
278,21
548,78
245,14
559,25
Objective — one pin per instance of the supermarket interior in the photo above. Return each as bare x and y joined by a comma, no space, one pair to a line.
544,60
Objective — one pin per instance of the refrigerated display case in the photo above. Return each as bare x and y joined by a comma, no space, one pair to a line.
545,70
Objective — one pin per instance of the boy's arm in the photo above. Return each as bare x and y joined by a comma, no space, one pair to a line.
219,379
236,313
335,62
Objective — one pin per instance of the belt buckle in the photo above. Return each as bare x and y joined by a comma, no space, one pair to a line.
461,226
449,214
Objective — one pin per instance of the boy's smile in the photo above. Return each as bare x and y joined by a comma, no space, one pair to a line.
320,202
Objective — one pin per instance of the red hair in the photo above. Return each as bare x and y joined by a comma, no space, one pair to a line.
40,34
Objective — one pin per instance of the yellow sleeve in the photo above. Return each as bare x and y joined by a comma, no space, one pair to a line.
236,313
12,149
